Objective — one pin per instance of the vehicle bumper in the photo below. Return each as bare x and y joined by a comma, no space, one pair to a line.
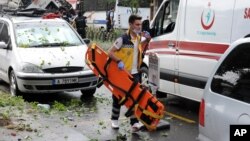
44,82
202,137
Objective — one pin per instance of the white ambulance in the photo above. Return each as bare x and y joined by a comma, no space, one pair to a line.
189,36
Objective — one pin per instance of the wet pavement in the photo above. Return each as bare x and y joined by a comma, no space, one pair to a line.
93,123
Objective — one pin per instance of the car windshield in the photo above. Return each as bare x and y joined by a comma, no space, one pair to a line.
45,34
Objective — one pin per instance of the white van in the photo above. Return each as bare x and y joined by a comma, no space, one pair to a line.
224,107
190,36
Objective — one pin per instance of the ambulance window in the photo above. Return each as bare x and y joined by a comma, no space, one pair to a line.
165,20
157,27
174,9
232,79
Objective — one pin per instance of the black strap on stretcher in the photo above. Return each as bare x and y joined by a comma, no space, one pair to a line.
127,93
106,65
145,118
152,104
130,110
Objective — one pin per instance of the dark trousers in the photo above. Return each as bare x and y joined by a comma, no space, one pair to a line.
109,26
116,107
82,33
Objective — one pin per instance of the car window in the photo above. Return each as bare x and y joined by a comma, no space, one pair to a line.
45,34
4,34
232,79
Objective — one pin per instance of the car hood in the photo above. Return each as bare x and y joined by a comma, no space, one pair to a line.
53,56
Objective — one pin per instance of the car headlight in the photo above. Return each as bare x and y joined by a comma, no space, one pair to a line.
30,68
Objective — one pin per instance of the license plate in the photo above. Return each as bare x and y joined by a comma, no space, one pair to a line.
65,81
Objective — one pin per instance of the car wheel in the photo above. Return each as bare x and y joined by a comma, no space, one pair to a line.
144,80
88,93
14,91
144,76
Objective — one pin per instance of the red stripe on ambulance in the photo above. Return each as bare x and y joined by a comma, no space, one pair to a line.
191,46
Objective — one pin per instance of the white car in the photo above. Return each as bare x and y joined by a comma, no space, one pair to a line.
226,99
42,56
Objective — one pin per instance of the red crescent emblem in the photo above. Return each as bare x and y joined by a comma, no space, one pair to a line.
206,27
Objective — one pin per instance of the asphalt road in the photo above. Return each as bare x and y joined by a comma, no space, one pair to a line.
94,123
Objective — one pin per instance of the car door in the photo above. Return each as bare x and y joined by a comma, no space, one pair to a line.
4,52
164,43
228,102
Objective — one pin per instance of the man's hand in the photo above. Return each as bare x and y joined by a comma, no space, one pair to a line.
146,35
120,65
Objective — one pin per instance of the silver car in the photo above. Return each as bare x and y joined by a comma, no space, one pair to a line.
43,55
226,99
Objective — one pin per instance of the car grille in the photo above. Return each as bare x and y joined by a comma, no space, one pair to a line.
63,69
64,86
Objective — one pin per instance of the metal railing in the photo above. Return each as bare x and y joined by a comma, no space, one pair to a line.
102,35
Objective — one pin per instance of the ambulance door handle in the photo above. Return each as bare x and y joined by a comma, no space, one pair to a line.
171,45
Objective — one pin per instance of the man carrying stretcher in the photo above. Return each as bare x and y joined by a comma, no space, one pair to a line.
127,52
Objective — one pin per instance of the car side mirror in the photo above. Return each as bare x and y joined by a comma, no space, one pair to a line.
3,45
86,40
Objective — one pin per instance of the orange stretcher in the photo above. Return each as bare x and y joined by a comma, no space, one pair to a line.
136,98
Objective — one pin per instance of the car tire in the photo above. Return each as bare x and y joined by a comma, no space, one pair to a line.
88,93
14,91
144,80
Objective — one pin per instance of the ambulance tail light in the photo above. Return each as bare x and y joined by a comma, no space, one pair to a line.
202,113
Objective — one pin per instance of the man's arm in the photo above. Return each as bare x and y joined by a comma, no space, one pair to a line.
111,16
111,54
144,45
116,46
145,42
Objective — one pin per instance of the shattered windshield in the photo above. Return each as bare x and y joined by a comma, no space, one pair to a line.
232,78
45,34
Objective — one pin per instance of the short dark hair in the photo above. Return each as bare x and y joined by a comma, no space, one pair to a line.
133,17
